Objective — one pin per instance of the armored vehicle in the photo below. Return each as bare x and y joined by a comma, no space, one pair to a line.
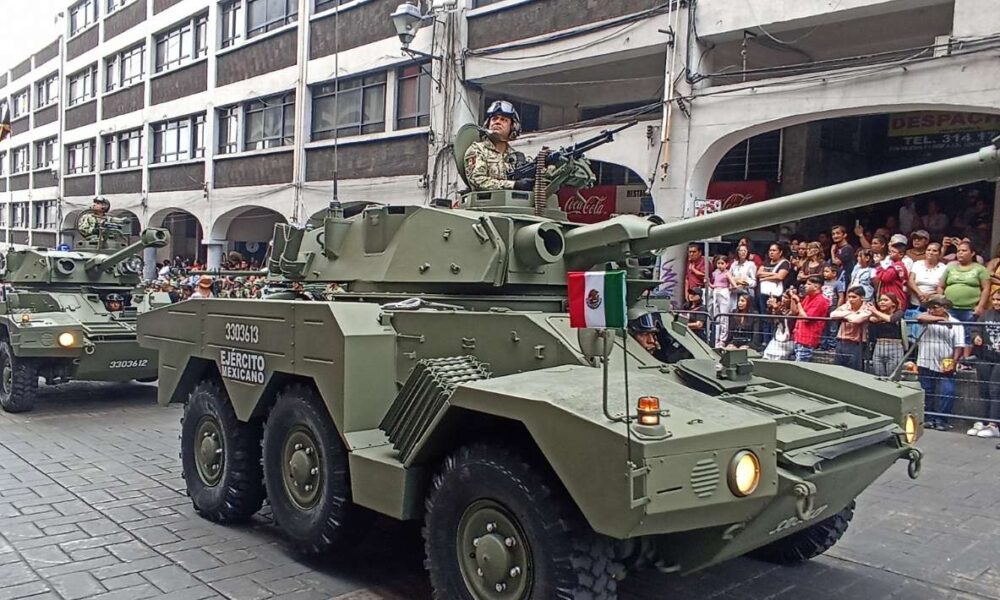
443,384
72,315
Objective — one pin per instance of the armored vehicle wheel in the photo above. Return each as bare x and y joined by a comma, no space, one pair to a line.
220,457
498,528
808,543
305,470
18,381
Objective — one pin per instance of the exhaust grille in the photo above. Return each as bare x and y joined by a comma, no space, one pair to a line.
424,398
705,478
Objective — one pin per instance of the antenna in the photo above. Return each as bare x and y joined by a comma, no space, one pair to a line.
335,210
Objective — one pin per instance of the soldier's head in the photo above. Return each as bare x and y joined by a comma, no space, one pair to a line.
114,302
100,205
503,121
644,329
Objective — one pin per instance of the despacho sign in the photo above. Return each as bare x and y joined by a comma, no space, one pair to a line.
239,365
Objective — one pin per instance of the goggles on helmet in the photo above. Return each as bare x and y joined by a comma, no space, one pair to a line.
501,107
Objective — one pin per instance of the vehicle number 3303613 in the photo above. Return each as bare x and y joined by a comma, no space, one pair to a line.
241,332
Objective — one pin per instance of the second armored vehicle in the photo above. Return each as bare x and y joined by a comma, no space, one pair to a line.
71,315
444,384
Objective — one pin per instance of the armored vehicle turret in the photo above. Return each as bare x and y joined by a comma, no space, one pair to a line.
441,382
71,315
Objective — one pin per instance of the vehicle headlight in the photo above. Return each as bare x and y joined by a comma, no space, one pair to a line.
910,428
66,339
744,473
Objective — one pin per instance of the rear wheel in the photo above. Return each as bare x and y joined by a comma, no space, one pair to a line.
18,381
498,528
220,456
306,472
808,543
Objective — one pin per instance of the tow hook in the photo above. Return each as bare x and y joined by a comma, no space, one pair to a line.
89,347
805,492
915,457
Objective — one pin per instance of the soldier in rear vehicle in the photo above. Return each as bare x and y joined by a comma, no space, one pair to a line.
490,163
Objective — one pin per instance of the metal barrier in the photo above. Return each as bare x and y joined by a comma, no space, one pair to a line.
951,361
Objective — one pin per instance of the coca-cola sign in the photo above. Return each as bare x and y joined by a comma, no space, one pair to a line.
588,205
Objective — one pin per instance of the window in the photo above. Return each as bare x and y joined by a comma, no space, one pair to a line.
413,96
45,214
47,91
80,158
269,122
322,5
265,15
43,153
20,103
361,107
122,150
3,164
81,85
3,215
180,139
124,68
82,15
478,3
182,44
114,5
19,215
229,129
231,25
19,160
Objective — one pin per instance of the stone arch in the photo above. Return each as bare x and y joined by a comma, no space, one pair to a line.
135,226
246,230
186,234
714,150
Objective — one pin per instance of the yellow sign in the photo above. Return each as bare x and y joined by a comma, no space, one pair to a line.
931,122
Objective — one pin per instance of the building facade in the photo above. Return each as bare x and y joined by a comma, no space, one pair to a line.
218,119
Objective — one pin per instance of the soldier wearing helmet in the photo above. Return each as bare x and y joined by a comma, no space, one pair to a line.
644,330
91,221
490,163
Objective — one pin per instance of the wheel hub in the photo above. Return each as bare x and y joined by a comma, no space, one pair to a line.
8,378
495,559
209,456
301,468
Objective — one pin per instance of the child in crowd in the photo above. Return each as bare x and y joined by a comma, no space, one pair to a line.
833,290
886,331
861,275
852,334
938,351
720,282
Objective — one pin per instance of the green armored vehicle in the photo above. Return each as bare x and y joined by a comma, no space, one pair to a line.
443,384
72,314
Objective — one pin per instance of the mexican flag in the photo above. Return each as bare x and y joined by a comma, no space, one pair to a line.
597,299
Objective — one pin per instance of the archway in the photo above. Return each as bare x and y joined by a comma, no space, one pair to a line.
823,152
185,235
132,227
245,231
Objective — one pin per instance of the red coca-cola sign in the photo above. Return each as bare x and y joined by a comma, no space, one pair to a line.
589,205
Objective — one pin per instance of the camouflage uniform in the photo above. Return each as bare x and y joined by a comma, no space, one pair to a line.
89,225
486,168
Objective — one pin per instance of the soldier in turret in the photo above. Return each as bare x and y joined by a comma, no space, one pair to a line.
91,222
490,163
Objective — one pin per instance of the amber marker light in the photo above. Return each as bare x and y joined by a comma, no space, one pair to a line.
649,410
66,339
26,317
910,428
744,473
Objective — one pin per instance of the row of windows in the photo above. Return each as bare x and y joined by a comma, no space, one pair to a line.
44,213
84,14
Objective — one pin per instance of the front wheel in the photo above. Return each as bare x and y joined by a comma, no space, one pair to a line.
306,473
18,381
809,542
220,457
499,528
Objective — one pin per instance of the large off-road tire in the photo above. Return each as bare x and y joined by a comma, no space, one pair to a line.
499,526
18,381
809,542
306,474
220,456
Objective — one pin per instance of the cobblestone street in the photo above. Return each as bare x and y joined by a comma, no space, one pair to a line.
91,506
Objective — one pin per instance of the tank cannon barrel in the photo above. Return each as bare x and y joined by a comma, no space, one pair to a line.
592,244
153,237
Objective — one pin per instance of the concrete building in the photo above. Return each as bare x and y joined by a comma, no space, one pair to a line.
218,119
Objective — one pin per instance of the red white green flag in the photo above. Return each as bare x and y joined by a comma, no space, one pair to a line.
597,299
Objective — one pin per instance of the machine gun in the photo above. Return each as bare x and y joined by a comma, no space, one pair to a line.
574,152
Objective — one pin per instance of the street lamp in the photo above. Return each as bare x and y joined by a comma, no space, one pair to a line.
408,19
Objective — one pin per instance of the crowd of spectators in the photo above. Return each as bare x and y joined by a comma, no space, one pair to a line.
184,278
864,296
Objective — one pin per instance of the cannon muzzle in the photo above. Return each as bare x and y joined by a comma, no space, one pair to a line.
629,235
153,237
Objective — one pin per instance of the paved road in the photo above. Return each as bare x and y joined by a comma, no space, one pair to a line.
91,507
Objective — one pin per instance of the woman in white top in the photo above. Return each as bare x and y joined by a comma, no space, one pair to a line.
744,273
925,275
